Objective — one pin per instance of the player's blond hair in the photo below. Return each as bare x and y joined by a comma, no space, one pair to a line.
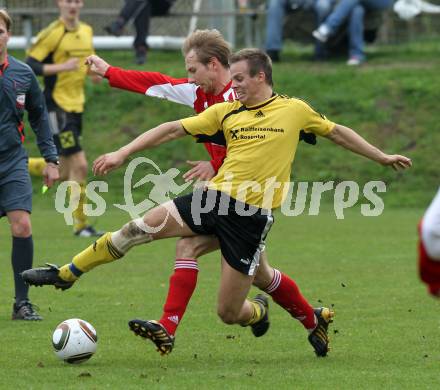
258,61
6,18
208,44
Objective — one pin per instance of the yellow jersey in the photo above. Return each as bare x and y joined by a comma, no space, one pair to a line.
55,45
261,143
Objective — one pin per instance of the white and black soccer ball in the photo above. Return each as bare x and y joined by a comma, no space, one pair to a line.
74,341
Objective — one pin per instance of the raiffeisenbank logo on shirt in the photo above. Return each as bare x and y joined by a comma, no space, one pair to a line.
164,186
254,133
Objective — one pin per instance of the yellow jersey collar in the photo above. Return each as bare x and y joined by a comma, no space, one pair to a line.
264,103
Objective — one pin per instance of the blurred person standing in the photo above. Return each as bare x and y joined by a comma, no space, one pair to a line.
20,92
59,54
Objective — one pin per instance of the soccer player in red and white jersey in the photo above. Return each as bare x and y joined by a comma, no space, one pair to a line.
429,247
209,82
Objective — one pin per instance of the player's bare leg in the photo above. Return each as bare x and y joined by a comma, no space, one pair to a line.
233,305
286,293
74,167
112,246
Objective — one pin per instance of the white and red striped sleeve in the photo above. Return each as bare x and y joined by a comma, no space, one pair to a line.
153,84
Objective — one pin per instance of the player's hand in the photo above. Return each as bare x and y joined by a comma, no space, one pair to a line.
51,174
396,161
202,171
97,65
107,162
71,64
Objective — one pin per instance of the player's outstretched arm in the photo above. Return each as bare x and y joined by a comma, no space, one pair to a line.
163,133
42,69
350,140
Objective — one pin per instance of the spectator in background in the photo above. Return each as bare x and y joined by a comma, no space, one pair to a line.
140,11
429,247
274,25
353,12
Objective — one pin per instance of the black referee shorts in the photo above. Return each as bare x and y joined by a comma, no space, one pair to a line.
240,228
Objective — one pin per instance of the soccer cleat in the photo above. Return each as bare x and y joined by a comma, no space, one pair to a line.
24,310
154,331
261,327
319,336
45,276
89,231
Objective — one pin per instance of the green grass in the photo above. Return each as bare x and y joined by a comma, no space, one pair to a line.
384,334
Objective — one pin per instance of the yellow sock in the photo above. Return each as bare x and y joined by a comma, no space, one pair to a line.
257,313
36,166
79,218
66,274
101,252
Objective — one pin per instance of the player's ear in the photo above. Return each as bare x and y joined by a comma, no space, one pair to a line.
213,63
261,76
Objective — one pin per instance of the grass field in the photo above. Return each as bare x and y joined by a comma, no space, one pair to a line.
384,334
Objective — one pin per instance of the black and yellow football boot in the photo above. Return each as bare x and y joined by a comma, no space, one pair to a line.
319,336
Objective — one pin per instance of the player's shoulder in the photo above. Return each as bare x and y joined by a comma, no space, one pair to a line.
227,107
56,27
231,104
287,99
48,36
86,27
295,101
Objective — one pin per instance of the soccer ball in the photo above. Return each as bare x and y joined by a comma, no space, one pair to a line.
74,341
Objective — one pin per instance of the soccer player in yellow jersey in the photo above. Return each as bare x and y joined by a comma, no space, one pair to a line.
236,206
59,54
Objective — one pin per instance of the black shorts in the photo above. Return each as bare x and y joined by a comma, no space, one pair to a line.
240,228
66,130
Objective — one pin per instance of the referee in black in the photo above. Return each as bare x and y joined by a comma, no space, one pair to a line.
19,91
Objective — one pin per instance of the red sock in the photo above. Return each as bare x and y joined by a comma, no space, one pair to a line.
182,284
285,292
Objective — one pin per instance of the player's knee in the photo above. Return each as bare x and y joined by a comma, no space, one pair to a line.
187,248
131,234
227,315
21,227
